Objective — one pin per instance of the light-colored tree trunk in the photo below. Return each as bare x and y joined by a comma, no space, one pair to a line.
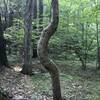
42,50
27,67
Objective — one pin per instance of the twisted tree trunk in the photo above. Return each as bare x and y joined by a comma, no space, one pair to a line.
42,50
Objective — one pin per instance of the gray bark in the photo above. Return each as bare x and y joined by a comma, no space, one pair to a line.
35,13
34,9
27,67
41,15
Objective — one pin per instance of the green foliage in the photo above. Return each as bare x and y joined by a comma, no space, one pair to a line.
73,14
3,95
39,80
76,31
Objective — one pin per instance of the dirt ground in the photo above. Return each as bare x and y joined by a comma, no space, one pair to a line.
75,83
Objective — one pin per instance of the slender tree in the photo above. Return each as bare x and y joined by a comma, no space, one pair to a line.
6,15
35,14
3,56
98,47
27,67
84,48
34,9
4,24
11,15
42,50
41,15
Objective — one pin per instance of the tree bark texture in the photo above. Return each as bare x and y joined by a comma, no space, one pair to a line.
34,9
42,50
3,55
35,14
40,15
27,67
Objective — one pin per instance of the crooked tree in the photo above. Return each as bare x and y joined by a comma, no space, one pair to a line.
42,50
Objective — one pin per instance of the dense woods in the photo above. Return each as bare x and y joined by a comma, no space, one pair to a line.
49,49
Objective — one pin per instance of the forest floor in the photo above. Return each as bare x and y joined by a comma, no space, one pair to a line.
76,84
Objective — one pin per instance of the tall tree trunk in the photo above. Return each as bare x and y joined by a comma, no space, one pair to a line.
10,23
27,67
6,15
40,15
84,46
67,21
98,48
34,9
42,50
3,56
35,13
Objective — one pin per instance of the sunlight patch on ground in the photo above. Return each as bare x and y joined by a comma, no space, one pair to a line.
17,68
